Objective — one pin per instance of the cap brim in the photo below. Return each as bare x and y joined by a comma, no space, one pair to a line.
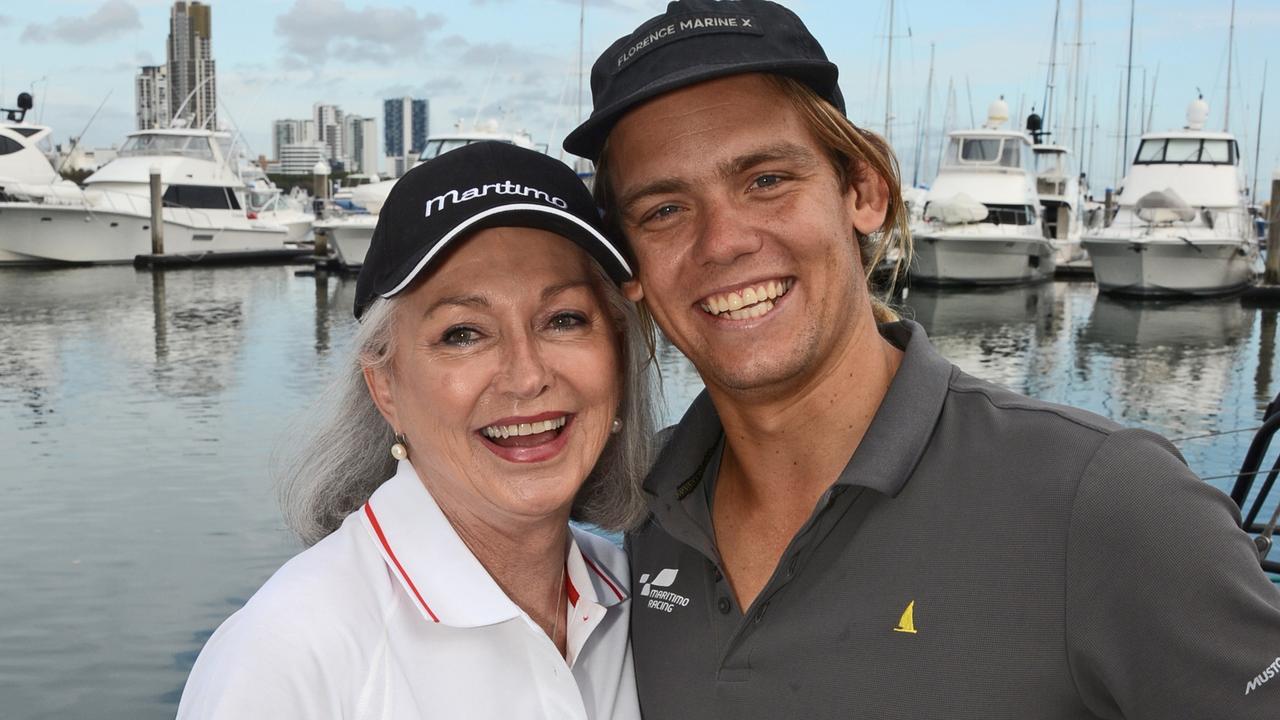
587,139
529,215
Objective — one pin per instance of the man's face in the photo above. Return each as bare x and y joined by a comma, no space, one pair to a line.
743,233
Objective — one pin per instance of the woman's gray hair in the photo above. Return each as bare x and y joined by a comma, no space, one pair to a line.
340,449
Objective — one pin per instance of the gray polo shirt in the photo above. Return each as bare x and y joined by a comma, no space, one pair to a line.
982,555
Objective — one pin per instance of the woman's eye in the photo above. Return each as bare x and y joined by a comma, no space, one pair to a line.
567,320
460,336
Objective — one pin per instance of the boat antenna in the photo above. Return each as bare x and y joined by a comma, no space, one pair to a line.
190,95
1151,108
1257,148
1231,37
76,140
922,146
1128,87
493,69
973,122
888,82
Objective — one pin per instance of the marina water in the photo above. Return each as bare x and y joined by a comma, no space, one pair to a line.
139,411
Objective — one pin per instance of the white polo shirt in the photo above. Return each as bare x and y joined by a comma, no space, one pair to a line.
391,616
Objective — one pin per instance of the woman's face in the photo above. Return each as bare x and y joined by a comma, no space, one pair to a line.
505,377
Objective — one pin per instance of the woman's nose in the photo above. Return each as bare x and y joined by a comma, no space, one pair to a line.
525,373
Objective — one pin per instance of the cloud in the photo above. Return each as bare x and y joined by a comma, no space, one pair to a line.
114,16
316,30
5,20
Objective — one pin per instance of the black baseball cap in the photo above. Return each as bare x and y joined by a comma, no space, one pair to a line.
694,41
485,184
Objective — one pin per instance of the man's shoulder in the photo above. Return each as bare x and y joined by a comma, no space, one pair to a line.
1021,409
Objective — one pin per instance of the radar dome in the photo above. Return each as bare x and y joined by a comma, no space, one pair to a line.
1197,114
997,113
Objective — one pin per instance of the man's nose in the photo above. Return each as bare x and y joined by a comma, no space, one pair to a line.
724,235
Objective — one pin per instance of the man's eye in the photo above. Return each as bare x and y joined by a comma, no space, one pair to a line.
460,336
766,181
664,211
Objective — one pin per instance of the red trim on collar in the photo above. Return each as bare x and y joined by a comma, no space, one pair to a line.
603,577
569,588
377,528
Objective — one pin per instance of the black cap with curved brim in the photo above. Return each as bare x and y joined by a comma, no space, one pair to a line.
482,185
695,41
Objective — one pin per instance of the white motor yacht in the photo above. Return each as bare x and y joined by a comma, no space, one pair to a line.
349,234
981,222
1061,201
1181,226
26,172
205,210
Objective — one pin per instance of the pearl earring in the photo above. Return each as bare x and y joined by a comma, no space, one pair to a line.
400,450
616,427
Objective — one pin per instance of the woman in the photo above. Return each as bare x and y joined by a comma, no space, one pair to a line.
498,381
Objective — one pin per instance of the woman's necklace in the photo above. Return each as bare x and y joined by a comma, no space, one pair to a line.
555,626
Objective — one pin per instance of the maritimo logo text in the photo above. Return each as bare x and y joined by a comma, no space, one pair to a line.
663,600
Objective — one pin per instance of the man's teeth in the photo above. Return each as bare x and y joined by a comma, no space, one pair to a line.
748,303
505,431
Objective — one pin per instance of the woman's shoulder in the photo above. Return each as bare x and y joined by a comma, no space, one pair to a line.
307,635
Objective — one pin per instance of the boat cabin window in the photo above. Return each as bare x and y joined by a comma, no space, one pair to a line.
182,145
1050,163
26,131
1187,150
993,152
204,197
9,145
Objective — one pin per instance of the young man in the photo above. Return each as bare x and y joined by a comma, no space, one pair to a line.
845,524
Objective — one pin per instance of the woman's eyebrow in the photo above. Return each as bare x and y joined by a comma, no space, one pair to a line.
558,288
471,301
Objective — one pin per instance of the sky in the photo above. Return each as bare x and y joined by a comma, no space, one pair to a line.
516,62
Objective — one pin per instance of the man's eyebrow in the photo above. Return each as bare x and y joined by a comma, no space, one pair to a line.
657,187
786,152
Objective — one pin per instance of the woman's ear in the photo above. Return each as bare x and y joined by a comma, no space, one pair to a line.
378,380
633,290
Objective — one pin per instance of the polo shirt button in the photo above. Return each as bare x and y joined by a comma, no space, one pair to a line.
724,606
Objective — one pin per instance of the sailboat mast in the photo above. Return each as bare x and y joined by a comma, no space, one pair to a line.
1046,107
1257,141
1072,122
1231,37
1128,89
888,81
928,108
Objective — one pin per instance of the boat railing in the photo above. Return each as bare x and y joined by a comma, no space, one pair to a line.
1209,216
1249,471
138,205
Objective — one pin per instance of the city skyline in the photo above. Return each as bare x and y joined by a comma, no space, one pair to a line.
517,62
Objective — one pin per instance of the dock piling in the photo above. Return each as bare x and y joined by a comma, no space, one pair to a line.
157,213
1273,232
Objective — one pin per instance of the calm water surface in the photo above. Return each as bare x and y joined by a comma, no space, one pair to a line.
138,413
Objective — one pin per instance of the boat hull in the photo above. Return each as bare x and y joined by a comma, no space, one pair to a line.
1170,267
349,237
969,257
39,233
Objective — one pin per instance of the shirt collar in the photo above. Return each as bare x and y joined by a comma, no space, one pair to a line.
437,570
884,459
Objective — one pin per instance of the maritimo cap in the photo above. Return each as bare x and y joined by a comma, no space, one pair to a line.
697,40
482,185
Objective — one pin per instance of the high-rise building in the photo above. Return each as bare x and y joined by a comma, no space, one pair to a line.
287,132
406,123
329,131
360,137
151,92
298,158
192,84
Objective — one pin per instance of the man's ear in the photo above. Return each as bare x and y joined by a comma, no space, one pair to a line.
633,290
868,199
378,380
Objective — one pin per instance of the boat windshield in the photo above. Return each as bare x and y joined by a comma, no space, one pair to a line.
1050,163
183,145
1183,151
992,152
439,147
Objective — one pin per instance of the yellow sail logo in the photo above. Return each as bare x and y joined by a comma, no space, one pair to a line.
907,623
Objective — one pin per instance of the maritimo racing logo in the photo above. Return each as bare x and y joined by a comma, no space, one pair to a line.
663,600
